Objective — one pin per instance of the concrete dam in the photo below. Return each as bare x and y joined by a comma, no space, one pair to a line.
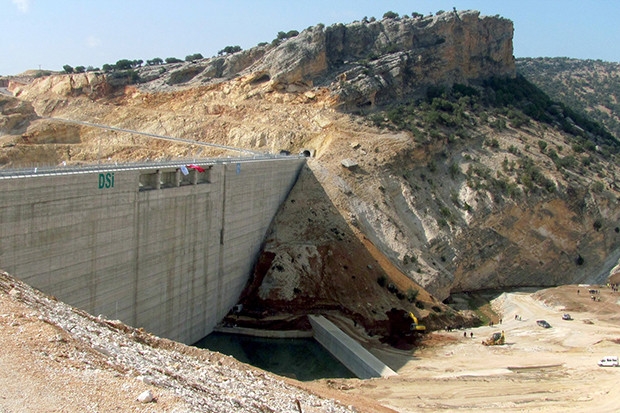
164,246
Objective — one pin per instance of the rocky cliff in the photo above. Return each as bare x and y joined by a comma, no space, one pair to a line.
466,198
365,64
362,64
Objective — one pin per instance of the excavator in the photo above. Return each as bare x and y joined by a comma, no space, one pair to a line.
415,326
496,339
403,329
404,324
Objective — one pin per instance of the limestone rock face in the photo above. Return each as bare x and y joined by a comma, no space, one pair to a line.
93,85
390,59
373,63
15,115
298,60
48,132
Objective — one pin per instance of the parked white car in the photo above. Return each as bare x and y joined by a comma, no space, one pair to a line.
609,361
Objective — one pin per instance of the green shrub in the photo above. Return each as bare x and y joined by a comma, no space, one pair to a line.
432,166
409,259
578,148
445,211
123,77
454,197
597,187
597,224
390,15
542,145
493,143
192,57
229,50
123,64
454,170
565,162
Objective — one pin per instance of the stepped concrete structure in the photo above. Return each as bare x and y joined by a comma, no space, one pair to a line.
166,247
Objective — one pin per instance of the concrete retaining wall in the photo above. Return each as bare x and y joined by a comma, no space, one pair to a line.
255,332
348,351
152,247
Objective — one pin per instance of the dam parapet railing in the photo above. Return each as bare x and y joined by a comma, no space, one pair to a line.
108,165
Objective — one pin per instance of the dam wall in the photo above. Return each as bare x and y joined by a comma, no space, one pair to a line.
159,246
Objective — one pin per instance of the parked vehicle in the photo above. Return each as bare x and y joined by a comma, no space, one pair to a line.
609,361
567,317
543,324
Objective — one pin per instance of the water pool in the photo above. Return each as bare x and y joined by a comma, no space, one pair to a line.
301,358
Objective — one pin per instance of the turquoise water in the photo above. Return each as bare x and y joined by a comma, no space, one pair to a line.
301,358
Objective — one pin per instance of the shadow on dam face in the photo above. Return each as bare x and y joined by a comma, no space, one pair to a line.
303,359
319,273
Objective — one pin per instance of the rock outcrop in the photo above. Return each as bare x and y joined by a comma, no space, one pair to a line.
380,62
364,64
16,115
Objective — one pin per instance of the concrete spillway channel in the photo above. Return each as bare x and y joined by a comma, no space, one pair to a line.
346,350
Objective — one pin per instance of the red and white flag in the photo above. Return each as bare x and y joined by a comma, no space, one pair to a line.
196,167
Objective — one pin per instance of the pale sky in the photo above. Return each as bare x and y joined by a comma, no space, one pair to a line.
48,34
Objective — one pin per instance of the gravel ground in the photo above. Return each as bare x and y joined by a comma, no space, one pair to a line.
56,358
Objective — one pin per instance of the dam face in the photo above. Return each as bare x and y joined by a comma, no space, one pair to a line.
158,246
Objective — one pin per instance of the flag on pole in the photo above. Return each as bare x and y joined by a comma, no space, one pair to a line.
196,167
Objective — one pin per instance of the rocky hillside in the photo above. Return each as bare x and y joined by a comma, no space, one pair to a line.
589,86
436,169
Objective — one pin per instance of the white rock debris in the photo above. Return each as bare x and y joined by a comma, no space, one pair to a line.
146,397
205,380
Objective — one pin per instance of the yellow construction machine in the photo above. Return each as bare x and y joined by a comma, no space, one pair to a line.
403,329
496,339
415,326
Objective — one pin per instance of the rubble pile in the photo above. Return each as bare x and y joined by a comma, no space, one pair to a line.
206,381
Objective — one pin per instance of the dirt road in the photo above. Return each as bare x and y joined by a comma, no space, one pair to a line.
537,370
